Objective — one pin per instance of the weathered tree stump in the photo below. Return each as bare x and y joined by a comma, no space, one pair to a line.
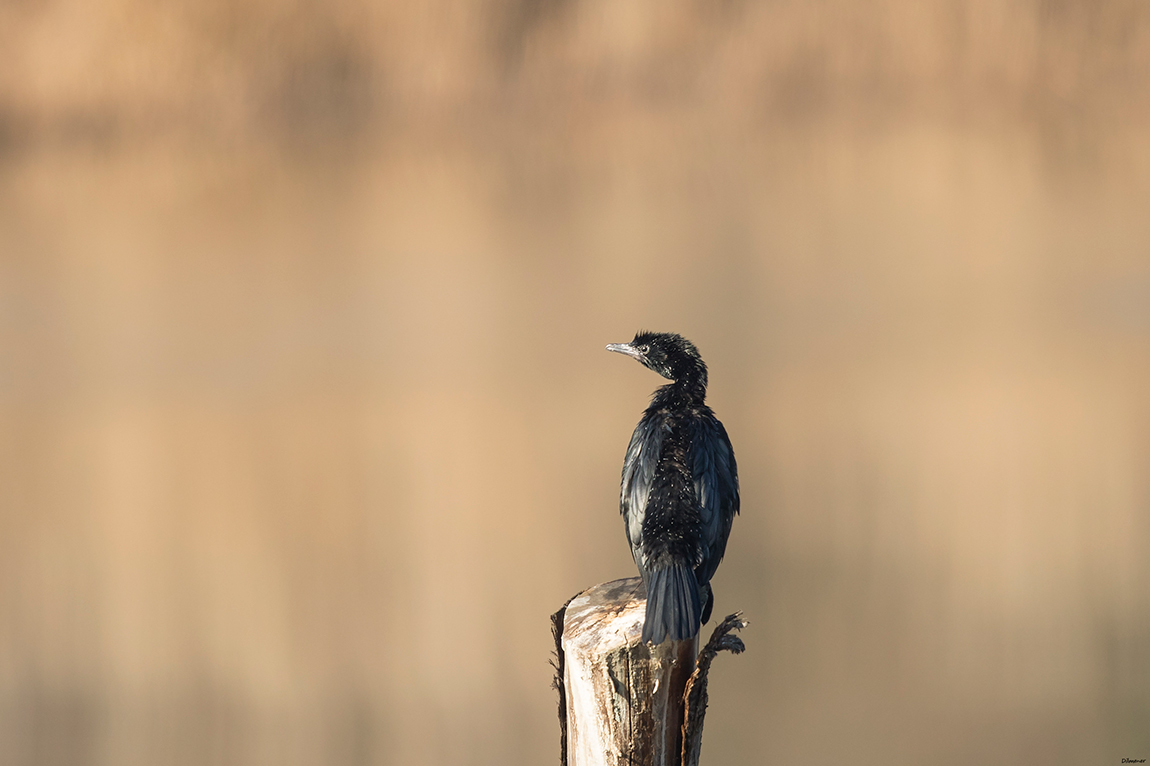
623,701
624,697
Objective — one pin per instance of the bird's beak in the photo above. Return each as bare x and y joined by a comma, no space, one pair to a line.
625,348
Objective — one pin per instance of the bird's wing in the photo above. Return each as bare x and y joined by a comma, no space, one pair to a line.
716,475
639,470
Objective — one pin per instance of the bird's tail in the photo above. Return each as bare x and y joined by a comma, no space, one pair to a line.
673,604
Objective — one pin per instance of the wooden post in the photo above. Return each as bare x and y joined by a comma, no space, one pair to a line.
624,697
621,701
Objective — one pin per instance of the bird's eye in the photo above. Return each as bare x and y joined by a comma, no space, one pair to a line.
644,349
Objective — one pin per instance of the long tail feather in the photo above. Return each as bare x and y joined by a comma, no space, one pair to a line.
673,604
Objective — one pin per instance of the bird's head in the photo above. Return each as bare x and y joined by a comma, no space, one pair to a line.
672,356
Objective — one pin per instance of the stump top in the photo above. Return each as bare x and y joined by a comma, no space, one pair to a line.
606,617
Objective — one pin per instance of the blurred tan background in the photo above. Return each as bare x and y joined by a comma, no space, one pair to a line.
307,424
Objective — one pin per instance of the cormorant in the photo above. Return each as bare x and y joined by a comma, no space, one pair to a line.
680,489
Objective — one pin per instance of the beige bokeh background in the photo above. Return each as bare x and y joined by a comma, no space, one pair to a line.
307,425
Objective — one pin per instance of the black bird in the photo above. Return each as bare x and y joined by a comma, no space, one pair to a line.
680,489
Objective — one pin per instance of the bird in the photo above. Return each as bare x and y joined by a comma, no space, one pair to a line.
679,492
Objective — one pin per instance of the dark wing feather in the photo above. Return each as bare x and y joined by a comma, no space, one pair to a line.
716,477
639,475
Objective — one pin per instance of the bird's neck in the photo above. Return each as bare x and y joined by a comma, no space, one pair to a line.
680,394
